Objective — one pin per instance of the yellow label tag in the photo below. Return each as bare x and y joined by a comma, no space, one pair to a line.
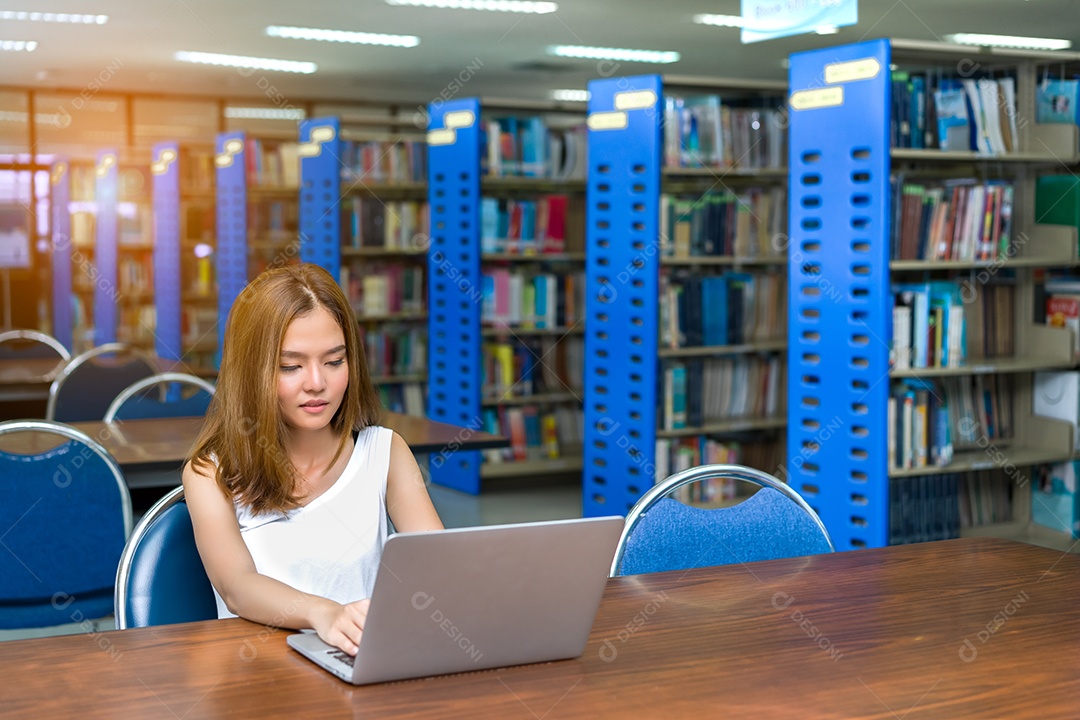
852,70
459,119
161,165
818,98
58,173
635,100
442,136
319,135
608,120
107,161
231,149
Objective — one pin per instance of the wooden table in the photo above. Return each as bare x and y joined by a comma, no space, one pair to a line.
27,378
167,441
974,628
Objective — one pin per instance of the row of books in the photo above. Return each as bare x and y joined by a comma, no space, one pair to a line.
529,147
405,398
704,131
727,309
134,224
751,223
273,220
935,110
380,290
375,223
677,454
990,319
957,220
925,508
697,393
548,224
395,349
532,300
198,324
533,366
928,328
272,164
136,324
536,432
383,161
135,274
1063,307
1057,100
927,421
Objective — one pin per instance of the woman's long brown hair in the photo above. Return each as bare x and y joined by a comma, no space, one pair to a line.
244,429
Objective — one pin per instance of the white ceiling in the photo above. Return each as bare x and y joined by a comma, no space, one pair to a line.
134,50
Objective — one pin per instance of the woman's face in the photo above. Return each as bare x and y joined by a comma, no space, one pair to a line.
313,371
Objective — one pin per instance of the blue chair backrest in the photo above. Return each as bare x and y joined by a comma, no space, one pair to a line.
87,385
765,526
25,344
161,580
145,399
66,513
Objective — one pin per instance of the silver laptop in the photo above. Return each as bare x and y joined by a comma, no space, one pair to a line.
475,598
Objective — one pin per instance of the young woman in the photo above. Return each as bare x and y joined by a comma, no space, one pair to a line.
291,482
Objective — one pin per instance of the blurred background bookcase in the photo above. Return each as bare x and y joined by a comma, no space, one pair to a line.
506,284
686,244
921,443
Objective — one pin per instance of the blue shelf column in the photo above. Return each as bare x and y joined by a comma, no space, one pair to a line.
838,272
232,208
622,269
60,180
165,168
320,194
454,283
106,290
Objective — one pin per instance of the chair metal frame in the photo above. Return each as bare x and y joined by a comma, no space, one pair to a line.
80,360
147,382
36,336
705,472
123,570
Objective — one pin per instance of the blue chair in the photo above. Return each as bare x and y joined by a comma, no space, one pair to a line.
162,395
65,513
18,344
160,579
662,533
87,385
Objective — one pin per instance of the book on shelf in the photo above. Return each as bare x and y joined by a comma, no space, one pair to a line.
389,224
383,289
955,220
272,164
1057,200
1057,100
1057,395
536,432
953,113
746,224
404,398
530,147
544,225
707,131
924,508
533,366
714,390
727,309
1063,310
985,498
531,300
1055,504
395,349
383,161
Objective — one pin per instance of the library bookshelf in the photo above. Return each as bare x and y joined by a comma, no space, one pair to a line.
851,280
686,245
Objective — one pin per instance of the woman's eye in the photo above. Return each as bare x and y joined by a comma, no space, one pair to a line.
335,363
289,368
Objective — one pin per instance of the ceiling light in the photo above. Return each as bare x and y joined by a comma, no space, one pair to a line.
265,113
1011,41
343,36
77,18
513,6
241,61
625,54
570,95
827,30
719,20
18,45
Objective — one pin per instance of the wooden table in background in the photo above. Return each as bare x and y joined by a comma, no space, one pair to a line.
167,441
27,380
973,628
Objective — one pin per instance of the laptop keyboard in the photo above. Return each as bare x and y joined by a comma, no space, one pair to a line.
343,657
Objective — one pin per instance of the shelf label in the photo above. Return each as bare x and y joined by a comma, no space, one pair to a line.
617,120
443,136
459,119
818,98
161,165
319,135
106,162
635,100
231,149
852,70
58,173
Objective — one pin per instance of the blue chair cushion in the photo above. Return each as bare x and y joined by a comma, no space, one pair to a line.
146,405
765,526
166,582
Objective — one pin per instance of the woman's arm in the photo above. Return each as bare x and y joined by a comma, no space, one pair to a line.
407,501
248,593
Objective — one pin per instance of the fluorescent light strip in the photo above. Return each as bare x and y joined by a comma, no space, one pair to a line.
511,6
1010,41
75,18
264,113
343,36
624,54
827,30
719,20
18,45
241,61
570,95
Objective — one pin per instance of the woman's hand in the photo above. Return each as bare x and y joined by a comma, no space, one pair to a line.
342,625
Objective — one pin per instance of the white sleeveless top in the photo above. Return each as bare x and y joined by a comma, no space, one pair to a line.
332,546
